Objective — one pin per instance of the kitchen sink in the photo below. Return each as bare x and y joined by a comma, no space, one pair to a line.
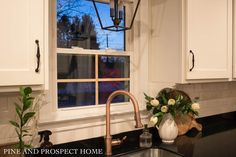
152,153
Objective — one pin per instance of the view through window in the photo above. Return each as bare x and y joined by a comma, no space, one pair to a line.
85,79
78,25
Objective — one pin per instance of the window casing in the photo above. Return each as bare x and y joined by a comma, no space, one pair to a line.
95,80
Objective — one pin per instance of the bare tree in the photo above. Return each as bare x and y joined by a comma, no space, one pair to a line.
75,28
68,7
63,32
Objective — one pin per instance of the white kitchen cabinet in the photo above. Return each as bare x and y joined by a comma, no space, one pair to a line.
209,29
234,40
202,27
22,23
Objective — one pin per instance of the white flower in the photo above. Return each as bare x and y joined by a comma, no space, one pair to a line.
153,120
171,101
164,109
195,106
154,102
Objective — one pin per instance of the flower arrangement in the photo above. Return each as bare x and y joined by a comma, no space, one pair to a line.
170,101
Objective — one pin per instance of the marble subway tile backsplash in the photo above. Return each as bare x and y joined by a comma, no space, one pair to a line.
7,113
215,98
6,108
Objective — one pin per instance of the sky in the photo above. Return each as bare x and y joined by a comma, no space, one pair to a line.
115,39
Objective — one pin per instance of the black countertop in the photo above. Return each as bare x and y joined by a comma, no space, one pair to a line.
218,139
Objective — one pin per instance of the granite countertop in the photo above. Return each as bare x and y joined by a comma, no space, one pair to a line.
217,139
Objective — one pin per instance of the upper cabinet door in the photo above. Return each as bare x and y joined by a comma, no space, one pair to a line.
234,40
209,39
22,23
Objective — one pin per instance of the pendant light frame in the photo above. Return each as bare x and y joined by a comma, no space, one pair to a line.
113,27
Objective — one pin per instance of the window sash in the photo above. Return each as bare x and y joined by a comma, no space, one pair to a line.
97,80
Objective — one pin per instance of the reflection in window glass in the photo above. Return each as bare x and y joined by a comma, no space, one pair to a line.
114,67
78,25
106,88
76,94
71,66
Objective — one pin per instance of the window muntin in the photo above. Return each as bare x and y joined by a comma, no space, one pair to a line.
78,26
106,73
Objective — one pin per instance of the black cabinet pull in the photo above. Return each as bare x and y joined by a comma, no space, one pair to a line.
193,60
38,56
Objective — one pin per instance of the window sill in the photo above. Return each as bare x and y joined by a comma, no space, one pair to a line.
93,112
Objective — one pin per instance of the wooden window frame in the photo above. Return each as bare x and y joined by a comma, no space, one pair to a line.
96,80
92,110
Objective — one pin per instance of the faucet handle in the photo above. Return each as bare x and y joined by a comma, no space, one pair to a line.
116,142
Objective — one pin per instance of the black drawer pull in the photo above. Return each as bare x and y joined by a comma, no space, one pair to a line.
193,60
38,56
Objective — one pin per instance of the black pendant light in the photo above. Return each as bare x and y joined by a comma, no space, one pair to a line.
116,14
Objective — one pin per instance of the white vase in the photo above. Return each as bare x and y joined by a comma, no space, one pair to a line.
168,130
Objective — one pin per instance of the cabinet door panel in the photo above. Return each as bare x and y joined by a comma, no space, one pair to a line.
208,37
21,24
234,41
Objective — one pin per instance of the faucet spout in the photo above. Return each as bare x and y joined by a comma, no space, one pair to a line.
108,138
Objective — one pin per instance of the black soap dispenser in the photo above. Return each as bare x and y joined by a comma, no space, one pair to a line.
45,136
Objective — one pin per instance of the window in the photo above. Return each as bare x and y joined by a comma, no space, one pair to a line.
78,26
87,77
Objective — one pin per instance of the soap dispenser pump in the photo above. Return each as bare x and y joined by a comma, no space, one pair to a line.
145,139
45,136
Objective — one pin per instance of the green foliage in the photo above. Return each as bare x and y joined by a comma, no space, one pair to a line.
24,115
181,103
27,116
155,110
159,114
148,98
148,107
15,124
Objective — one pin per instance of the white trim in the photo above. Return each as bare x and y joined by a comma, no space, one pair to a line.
92,52
90,128
88,125
230,40
94,111
75,113
46,44
107,1
55,127
74,130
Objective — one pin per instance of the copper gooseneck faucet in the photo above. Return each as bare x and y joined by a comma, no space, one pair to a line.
108,139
